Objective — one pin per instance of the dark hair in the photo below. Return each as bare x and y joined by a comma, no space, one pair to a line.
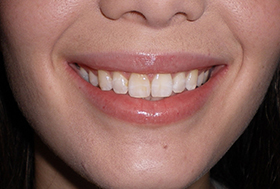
16,141
252,162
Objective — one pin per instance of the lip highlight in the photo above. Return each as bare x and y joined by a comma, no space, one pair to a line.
141,111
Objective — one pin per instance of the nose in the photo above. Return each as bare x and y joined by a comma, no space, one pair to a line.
156,13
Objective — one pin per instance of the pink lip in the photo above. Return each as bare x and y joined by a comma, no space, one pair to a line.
145,63
166,111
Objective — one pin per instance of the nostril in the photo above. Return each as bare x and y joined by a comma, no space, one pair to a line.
179,18
153,12
118,9
137,13
134,16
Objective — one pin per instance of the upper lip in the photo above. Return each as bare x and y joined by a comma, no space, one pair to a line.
146,62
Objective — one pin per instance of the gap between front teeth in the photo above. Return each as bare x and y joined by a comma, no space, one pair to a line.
140,86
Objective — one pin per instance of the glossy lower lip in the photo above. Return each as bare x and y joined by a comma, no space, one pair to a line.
140,111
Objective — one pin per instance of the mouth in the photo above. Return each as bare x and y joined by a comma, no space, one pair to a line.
147,89
146,86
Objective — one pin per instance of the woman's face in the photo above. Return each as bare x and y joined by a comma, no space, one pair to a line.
130,137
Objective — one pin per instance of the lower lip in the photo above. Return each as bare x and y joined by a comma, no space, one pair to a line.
140,111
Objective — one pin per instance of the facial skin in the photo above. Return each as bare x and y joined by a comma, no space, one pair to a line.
39,37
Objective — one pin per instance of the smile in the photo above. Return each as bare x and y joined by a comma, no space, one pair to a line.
146,86
150,90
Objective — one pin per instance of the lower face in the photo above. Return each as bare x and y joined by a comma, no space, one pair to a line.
91,86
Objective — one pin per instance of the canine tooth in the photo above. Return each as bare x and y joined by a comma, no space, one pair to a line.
93,79
120,83
179,82
206,76
83,73
139,86
200,79
191,80
105,80
162,85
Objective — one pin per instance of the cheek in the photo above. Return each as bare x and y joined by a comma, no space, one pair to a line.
255,23
36,25
30,29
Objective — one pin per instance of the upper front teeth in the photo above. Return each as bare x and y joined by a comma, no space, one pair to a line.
179,82
191,80
140,86
162,85
120,83
105,80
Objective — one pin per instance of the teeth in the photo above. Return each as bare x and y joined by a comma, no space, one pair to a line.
200,79
206,76
93,79
162,85
105,80
83,74
139,85
179,82
120,83
191,80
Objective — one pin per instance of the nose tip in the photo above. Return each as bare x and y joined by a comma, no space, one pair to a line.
156,13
